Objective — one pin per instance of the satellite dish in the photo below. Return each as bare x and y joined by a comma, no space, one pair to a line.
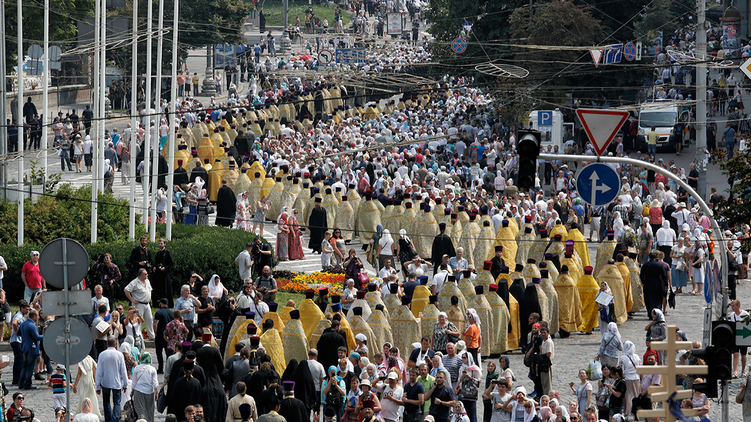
35,52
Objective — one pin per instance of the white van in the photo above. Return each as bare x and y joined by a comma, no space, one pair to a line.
663,115
557,134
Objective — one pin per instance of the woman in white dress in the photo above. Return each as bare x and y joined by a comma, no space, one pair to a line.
84,387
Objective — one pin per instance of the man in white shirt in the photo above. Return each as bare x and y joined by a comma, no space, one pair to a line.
244,261
438,279
111,380
739,352
392,405
387,270
245,298
138,292
97,299
547,349
317,372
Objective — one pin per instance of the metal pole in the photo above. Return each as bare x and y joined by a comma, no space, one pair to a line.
95,110
146,169
45,91
102,89
172,119
133,126
157,118
701,100
3,101
19,114
67,318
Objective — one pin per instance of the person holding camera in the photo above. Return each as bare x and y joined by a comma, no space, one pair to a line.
261,253
266,285
109,278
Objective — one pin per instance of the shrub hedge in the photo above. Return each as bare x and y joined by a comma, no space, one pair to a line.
205,249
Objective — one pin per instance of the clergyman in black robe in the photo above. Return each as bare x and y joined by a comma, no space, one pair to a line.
442,245
497,262
305,389
292,408
213,399
225,206
187,392
199,171
161,278
529,304
317,225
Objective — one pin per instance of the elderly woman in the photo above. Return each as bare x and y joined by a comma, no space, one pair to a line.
441,332
86,414
144,388
349,294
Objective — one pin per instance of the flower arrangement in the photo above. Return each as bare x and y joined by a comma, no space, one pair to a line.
301,282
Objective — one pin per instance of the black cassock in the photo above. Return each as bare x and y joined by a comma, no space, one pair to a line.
162,282
530,303
328,346
317,226
187,393
181,177
213,399
225,206
293,410
442,244
495,270
199,172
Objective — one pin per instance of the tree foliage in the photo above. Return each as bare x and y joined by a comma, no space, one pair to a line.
64,14
736,211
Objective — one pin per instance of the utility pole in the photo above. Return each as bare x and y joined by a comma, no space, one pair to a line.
19,114
3,102
134,127
701,99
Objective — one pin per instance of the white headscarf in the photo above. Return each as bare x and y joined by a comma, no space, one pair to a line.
613,328
216,288
386,238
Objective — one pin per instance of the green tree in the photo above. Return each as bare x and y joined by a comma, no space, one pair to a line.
736,211
64,14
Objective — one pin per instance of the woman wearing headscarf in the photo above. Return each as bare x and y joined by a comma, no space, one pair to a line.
403,250
202,209
84,385
109,176
374,245
282,236
294,242
468,386
697,262
86,412
385,248
216,289
604,311
546,414
617,226
472,334
145,384
460,413
610,345
242,215
305,389
333,391
519,405
441,332
352,267
289,371
657,330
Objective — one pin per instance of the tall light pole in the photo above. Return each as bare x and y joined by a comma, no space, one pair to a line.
701,98
133,126
19,115
172,118
95,124
146,169
45,93
3,98
157,118
102,89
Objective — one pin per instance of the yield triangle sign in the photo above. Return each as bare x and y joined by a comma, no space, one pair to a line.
596,55
601,126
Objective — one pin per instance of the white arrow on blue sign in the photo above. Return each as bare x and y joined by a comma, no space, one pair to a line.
598,184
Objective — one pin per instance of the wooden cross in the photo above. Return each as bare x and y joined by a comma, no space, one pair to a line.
661,393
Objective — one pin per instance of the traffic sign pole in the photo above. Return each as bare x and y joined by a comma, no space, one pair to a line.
67,322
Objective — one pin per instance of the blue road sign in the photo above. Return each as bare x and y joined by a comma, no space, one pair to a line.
350,55
612,54
459,45
629,51
544,118
598,184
